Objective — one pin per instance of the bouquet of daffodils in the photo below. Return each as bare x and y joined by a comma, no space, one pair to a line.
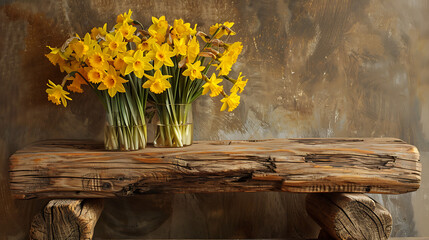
165,63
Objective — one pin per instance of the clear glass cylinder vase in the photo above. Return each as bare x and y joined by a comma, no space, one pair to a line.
124,137
175,125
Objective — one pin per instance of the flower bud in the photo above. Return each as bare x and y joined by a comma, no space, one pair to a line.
217,42
207,54
203,36
215,52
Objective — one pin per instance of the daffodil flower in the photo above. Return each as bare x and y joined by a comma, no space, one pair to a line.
56,94
95,75
120,64
146,45
212,85
98,58
100,32
193,70
222,31
159,36
138,64
193,49
157,83
181,29
161,55
80,48
229,58
231,101
180,47
123,18
112,82
78,80
56,57
127,31
225,65
159,25
115,43
234,50
239,84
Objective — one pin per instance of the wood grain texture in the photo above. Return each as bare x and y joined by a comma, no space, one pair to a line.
79,169
349,216
67,219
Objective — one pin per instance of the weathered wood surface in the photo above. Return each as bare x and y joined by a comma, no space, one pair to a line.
349,216
67,219
79,169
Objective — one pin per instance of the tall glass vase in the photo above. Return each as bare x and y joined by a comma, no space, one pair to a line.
175,126
125,138
125,128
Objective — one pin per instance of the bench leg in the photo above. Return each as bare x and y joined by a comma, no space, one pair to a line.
67,219
349,216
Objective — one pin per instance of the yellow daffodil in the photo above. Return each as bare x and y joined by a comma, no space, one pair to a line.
234,50
120,64
115,43
137,63
56,94
95,75
225,65
63,53
239,84
159,25
78,80
87,40
222,31
127,31
56,57
146,45
112,82
100,32
180,47
231,101
123,18
229,58
158,35
193,49
212,85
79,48
193,70
161,55
181,29
98,59
75,87
157,83
158,29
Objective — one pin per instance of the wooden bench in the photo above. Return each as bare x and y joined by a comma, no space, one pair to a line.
76,175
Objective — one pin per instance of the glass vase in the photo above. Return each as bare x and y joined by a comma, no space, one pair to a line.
128,136
175,125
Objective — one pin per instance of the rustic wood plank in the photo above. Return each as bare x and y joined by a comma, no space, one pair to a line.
67,219
349,216
81,169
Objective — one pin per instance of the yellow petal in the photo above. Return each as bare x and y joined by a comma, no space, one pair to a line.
224,105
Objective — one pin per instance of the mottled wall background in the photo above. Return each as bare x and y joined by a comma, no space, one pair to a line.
316,69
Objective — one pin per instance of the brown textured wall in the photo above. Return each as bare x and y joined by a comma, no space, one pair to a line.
316,69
